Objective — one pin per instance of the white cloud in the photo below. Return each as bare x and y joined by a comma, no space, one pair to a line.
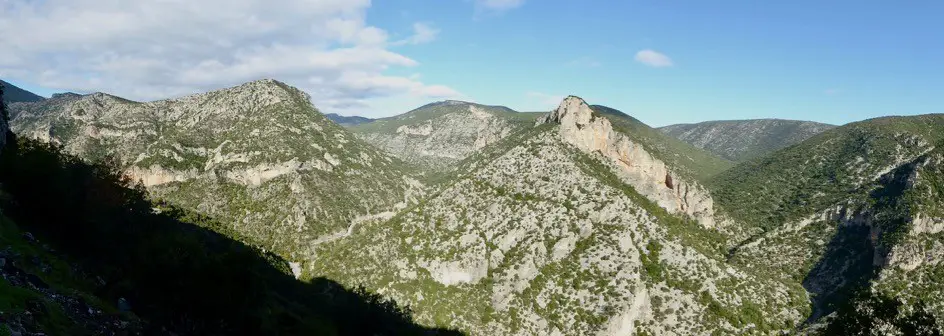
422,33
497,5
653,58
153,49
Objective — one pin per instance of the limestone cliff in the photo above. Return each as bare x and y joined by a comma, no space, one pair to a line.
650,176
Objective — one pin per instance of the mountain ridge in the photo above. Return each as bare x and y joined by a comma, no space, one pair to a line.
435,136
14,94
741,140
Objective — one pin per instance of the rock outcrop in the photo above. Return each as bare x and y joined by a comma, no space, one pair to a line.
650,176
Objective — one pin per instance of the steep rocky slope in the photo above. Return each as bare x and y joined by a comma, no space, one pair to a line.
568,227
741,140
437,135
855,208
14,94
347,120
258,156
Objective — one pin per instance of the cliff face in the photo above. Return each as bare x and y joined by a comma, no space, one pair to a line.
637,167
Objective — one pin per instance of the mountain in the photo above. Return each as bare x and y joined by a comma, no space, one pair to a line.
347,121
258,156
569,226
741,140
583,220
14,94
438,135
854,209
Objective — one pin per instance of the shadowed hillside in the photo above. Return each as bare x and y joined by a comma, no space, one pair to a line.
162,264
14,94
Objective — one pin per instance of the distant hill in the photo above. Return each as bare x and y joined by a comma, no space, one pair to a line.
347,121
740,140
13,94
440,134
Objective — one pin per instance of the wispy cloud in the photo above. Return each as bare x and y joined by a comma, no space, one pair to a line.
585,62
832,91
494,7
422,33
498,5
653,58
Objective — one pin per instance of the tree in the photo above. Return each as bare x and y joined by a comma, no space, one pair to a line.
869,313
3,106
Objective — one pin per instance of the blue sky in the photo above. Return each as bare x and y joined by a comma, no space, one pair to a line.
828,61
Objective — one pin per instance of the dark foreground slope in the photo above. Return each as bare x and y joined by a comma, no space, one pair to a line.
106,261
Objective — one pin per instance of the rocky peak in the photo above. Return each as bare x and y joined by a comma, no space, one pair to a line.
259,92
573,111
436,135
65,95
635,164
